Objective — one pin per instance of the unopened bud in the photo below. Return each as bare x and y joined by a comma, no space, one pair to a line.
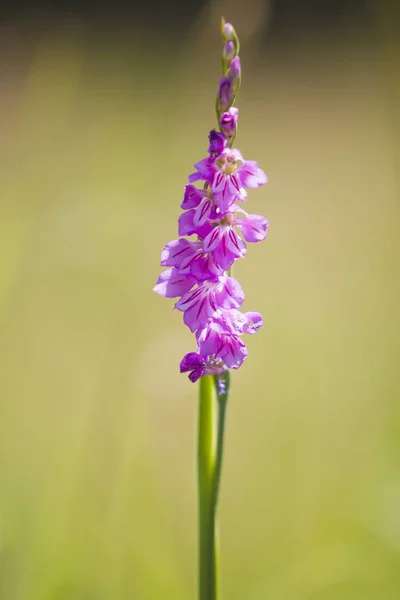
228,31
217,142
225,93
228,51
235,69
229,121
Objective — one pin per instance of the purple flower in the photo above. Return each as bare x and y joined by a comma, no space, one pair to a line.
201,208
226,184
235,69
200,304
199,365
225,93
215,340
197,220
228,175
232,176
219,343
207,259
229,121
225,245
217,143
191,260
221,336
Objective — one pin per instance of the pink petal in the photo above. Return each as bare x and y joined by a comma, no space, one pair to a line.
172,284
192,197
185,223
243,194
190,299
253,227
222,254
234,185
205,168
219,182
176,251
234,352
229,293
199,313
190,361
202,213
196,374
195,177
209,341
224,199
237,155
204,268
212,240
254,322
188,260
233,321
251,175
234,243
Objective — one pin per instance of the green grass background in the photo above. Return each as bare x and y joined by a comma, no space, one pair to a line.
99,131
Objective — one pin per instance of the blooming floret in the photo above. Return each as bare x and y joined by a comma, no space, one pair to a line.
228,176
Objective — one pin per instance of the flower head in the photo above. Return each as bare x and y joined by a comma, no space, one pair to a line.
228,175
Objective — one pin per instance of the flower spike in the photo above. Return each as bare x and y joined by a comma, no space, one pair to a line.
199,267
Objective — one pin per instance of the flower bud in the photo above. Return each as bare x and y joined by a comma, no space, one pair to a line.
217,143
228,51
228,31
235,69
229,121
225,93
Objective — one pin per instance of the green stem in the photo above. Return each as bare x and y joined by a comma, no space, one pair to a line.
206,470
220,448
213,393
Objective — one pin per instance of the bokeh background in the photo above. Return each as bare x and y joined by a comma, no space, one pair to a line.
103,112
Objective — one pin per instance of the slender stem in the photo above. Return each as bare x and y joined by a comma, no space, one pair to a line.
206,471
222,401
213,394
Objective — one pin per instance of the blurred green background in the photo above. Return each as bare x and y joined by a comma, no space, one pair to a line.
100,126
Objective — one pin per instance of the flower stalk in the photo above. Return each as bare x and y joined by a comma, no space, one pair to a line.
199,275
213,397
207,462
